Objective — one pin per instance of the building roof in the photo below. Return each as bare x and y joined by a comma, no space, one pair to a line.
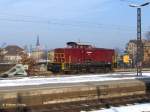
133,41
13,50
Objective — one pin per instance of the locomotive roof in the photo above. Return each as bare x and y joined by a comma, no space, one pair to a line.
71,43
86,48
77,44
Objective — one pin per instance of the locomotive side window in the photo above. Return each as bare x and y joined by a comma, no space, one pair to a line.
62,55
59,59
62,60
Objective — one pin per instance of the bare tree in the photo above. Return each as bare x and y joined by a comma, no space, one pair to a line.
2,54
118,50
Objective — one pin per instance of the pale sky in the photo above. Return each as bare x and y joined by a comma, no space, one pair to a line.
103,23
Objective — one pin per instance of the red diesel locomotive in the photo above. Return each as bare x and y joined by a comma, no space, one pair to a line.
82,58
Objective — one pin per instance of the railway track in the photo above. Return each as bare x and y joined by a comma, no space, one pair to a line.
83,105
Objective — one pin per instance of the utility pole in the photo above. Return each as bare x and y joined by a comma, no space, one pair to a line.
139,58
139,54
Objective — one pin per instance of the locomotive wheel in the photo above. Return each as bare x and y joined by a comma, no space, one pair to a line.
107,69
92,70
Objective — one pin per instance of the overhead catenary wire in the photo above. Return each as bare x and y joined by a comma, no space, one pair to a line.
60,22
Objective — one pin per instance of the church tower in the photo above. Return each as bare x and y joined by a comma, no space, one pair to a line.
37,41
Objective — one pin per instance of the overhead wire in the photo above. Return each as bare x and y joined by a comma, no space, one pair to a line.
39,20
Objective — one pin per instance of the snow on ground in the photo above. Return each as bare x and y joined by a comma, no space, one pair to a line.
69,79
132,108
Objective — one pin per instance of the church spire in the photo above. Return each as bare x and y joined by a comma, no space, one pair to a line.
38,41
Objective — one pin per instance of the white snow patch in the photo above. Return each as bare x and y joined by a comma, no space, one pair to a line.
69,79
132,108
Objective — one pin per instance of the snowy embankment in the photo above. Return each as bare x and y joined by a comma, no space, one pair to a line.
132,108
69,79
